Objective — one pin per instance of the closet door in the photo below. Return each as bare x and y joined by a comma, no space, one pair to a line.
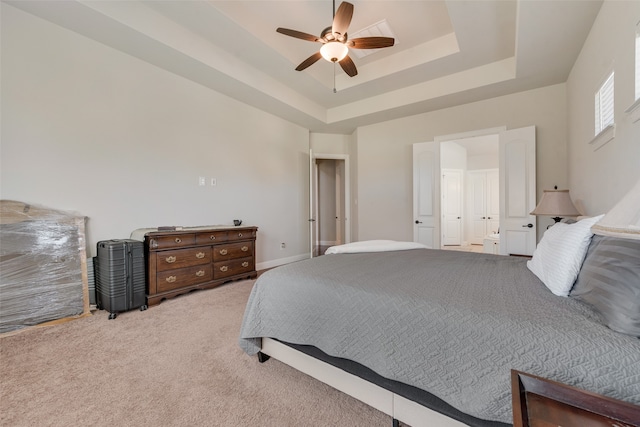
484,188
493,201
451,207
478,192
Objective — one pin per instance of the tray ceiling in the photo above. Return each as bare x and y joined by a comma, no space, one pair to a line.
446,53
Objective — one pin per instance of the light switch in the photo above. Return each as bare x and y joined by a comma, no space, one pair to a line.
201,181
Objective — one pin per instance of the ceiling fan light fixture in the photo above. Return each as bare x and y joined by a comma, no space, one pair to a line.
334,51
335,42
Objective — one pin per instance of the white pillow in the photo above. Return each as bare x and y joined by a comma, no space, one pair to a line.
559,255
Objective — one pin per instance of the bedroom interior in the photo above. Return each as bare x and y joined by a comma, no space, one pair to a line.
139,114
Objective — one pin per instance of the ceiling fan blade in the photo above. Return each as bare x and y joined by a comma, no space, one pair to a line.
309,61
348,66
298,34
342,20
371,42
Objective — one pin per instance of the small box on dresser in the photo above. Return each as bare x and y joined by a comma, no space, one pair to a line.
179,261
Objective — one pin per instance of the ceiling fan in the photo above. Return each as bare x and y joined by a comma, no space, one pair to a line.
335,41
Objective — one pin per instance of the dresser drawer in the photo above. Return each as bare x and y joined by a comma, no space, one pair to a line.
211,237
170,260
232,267
183,277
232,250
172,241
240,234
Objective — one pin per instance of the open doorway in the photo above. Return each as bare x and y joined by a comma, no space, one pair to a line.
517,190
329,202
470,192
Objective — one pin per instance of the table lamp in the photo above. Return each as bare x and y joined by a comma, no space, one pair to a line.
556,203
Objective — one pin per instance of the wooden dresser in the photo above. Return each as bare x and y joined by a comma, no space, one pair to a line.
197,258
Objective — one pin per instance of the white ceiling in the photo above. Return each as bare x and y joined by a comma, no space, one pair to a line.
447,52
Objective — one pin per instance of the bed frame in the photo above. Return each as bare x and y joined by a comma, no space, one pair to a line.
397,407
536,401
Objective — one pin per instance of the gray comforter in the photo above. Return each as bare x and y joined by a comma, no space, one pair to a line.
451,323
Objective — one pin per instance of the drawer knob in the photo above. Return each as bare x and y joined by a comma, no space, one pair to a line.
223,251
245,264
212,237
224,268
178,240
239,234
200,255
170,259
245,248
171,279
200,273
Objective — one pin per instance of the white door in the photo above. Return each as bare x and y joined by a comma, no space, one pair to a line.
451,207
478,194
493,201
518,191
426,194
339,201
313,194
484,187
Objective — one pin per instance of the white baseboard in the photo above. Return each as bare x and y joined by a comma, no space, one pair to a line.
280,261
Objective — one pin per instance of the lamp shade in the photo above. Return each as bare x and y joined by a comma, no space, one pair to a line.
556,203
623,220
334,51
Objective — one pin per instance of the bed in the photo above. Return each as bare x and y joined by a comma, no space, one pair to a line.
430,337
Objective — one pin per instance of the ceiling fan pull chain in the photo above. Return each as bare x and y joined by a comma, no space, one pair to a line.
334,76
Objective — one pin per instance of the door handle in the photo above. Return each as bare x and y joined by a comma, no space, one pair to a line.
311,220
484,217
528,225
418,222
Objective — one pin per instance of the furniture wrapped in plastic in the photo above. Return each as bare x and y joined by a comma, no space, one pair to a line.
43,274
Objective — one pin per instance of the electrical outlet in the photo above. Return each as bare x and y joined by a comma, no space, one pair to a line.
282,245
214,182
201,180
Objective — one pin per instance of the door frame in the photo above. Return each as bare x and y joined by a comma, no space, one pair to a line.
435,147
465,135
507,137
314,202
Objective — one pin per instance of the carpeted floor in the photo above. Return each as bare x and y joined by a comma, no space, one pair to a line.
176,364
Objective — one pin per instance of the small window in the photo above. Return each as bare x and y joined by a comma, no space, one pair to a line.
604,105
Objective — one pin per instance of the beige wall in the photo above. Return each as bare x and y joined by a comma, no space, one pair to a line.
384,153
329,143
599,178
86,128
